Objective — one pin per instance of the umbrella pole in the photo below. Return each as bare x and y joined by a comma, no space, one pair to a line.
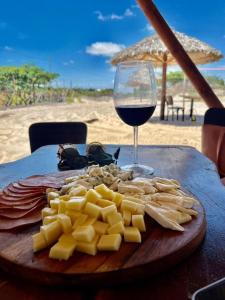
163,93
176,49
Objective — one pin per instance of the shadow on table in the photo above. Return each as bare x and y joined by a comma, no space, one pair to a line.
197,121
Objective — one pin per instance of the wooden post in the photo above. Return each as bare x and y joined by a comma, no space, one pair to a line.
178,52
163,93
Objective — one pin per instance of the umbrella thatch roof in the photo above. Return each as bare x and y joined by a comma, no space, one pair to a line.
152,48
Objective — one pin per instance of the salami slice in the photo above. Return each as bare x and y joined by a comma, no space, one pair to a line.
13,213
12,202
22,206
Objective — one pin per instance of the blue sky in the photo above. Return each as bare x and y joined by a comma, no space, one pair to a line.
77,38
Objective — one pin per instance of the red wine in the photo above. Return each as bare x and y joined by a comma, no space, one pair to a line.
135,115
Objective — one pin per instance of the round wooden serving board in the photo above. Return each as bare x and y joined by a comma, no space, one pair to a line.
159,250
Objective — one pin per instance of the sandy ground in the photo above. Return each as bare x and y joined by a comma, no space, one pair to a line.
107,129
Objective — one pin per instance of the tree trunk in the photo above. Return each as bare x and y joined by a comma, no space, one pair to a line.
163,93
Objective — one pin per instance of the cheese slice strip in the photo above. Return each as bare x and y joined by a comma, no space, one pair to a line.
154,212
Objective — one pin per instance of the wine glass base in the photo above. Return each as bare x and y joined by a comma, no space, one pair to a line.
139,170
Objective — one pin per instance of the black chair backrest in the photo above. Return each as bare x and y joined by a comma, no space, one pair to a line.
215,116
53,133
169,100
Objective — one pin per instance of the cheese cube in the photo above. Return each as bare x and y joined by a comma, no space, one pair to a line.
47,211
89,221
128,205
88,247
62,207
92,196
39,241
64,248
105,211
104,203
78,191
74,215
127,217
92,210
114,218
100,227
49,219
52,195
133,199
84,233
65,222
75,203
80,220
117,198
51,232
104,191
54,204
116,228
138,221
64,197
110,242
132,234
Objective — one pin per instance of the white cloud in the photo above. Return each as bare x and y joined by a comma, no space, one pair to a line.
149,28
112,17
7,48
104,49
69,62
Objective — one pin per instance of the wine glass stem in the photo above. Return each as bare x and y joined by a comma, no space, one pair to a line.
135,145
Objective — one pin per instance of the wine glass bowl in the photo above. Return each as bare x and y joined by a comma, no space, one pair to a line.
135,100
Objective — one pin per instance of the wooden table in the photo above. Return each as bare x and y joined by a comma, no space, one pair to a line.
207,264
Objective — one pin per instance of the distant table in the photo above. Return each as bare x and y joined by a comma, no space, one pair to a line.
192,99
207,264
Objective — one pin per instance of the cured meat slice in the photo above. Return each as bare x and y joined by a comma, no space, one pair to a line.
7,224
12,202
12,213
23,206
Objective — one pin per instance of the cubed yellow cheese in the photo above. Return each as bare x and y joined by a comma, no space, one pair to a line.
88,247
138,221
64,197
78,191
84,233
133,207
80,220
39,241
62,207
110,242
49,219
114,218
116,228
105,211
104,191
74,215
127,217
76,203
128,205
100,227
51,232
117,198
92,196
92,210
132,234
52,195
55,203
65,222
64,248
104,202
47,211
89,221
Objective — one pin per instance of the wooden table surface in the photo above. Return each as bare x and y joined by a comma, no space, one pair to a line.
207,264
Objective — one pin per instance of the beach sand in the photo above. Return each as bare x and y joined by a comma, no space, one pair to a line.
105,126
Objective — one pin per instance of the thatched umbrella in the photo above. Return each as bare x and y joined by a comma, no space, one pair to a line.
153,49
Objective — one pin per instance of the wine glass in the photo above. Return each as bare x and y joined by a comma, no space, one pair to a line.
135,101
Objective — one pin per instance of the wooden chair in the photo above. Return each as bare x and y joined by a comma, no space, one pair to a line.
172,108
213,138
51,133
